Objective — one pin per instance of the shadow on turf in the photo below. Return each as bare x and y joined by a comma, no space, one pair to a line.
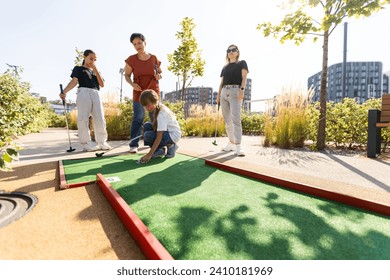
317,237
166,181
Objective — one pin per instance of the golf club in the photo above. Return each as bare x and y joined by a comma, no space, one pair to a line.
102,153
216,128
66,120
156,70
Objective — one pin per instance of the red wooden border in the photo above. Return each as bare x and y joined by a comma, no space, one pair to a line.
346,199
64,184
148,243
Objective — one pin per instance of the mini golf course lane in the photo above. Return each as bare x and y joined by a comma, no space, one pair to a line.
199,212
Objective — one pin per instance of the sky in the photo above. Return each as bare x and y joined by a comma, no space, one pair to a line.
41,37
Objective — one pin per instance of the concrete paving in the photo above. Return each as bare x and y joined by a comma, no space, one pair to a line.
350,173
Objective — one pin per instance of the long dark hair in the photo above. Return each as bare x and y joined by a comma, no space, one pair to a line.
149,96
86,53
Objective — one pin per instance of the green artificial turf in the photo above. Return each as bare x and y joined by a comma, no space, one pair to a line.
200,212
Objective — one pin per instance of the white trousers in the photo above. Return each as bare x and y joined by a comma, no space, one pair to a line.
88,103
231,112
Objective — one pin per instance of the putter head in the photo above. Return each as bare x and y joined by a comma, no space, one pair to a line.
71,150
99,154
215,143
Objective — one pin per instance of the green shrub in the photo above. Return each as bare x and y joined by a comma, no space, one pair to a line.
204,126
347,123
282,130
56,120
298,128
289,127
20,114
269,137
252,124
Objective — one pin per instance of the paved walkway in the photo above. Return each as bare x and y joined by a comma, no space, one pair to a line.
353,174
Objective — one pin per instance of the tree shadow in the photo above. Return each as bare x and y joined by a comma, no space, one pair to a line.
309,235
179,177
323,240
86,169
120,240
234,229
22,173
360,173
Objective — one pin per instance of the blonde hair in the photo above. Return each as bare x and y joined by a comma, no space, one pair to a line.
238,51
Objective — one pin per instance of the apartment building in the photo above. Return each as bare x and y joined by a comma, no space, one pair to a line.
205,95
363,80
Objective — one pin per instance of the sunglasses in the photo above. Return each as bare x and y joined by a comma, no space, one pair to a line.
232,50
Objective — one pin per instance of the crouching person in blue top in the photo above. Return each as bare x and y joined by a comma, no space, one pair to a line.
164,132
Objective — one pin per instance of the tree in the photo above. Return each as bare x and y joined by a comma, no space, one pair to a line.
296,25
186,61
11,111
79,57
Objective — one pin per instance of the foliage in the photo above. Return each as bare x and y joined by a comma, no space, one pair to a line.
9,152
20,114
186,61
252,124
347,123
269,137
288,127
56,120
204,121
78,61
298,24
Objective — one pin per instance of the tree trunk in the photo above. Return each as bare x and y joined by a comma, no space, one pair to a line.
185,103
182,92
183,86
323,95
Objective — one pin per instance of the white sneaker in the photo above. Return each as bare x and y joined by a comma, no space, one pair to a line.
239,151
229,147
133,150
105,146
90,148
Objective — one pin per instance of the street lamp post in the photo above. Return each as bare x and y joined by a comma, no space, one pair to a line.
121,71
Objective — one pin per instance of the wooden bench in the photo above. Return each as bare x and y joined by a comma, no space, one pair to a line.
377,119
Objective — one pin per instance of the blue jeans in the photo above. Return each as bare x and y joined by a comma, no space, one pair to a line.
136,124
150,136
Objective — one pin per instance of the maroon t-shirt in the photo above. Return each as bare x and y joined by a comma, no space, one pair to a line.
143,74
